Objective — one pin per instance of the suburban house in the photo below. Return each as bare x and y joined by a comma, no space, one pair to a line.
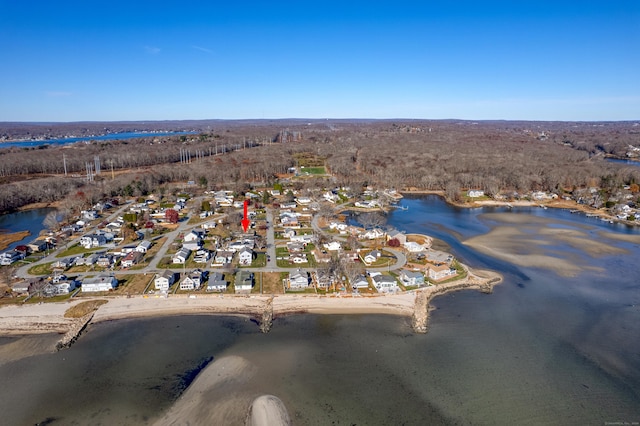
217,282
288,233
384,283
245,256
65,287
131,259
8,257
192,246
298,280
244,281
402,238
38,245
295,247
324,278
289,220
202,256
413,247
475,193
181,256
360,282
304,239
411,278
440,272
144,246
100,282
372,256
298,258
332,246
222,258
165,280
196,234
105,260
93,240
372,234
321,257
193,280
63,263
91,259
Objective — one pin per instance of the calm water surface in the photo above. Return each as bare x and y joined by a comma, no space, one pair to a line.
28,220
542,349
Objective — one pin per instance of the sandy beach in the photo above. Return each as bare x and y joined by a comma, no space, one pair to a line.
49,317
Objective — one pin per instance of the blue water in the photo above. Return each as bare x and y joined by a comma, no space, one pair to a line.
625,162
542,349
66,141
28,220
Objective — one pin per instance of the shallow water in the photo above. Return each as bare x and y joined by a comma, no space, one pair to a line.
542,349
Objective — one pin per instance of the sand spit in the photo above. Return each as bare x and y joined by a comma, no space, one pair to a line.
216,396
268,410
531,241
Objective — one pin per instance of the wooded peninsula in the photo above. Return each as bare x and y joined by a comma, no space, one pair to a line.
503,159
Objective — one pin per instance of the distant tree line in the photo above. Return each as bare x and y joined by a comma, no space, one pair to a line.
448,156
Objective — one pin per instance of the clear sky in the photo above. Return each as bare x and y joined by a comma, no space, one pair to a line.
143,60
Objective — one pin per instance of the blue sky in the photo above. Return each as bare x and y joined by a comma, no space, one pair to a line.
143,60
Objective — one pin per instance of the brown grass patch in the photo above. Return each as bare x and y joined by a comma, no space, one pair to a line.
84,308
6,239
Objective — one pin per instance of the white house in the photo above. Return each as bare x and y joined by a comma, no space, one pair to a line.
65,287
411,278
244,281
332,246
439,272
372,256
192,245
360,282
165,280
202,256
193,280
222,258
299,258
414,247
143,247
181,256
475,193
217,282
99,283
372,234
93,240
195,234
245,256
385,283
298,280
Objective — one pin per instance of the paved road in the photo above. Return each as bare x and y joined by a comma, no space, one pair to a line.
184,227
272,264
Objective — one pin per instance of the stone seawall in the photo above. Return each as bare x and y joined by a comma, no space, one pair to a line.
420,317
74,332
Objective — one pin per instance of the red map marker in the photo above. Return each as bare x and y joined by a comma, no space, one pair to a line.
245,222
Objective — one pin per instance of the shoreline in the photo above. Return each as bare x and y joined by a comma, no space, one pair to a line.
554,204
17,320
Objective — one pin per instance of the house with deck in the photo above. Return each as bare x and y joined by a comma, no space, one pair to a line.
243,282
217,283
193,280
384,283
163,281
99,283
